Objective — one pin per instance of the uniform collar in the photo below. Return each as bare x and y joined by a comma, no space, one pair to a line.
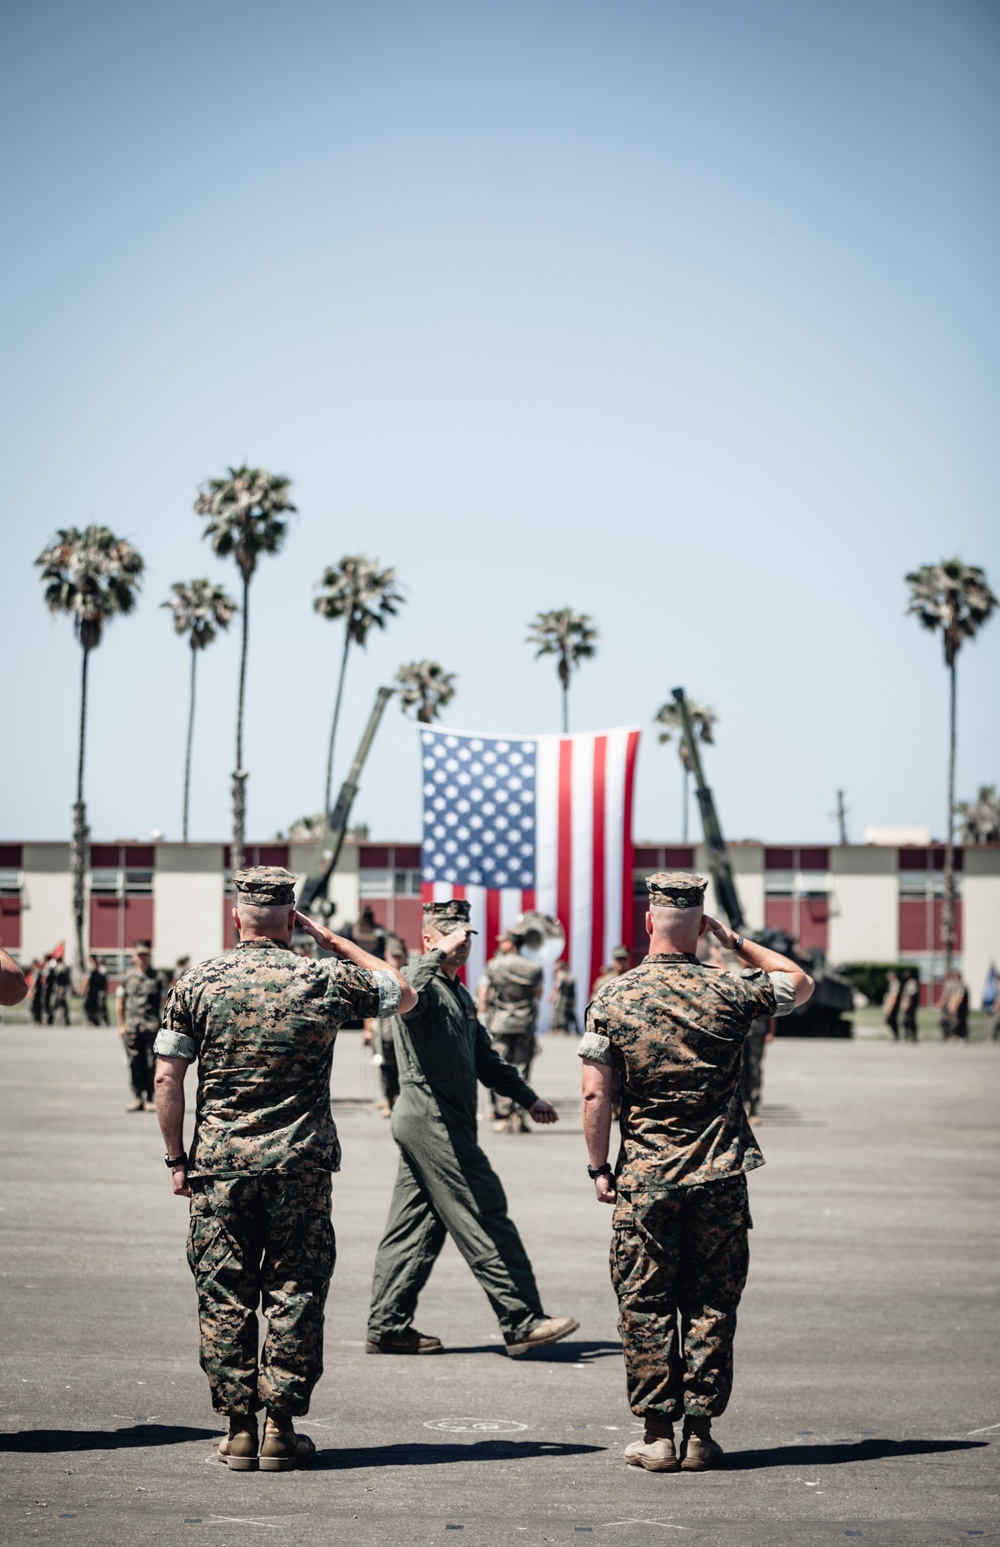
675,956
265,942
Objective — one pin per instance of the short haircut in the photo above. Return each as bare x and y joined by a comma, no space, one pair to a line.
264,916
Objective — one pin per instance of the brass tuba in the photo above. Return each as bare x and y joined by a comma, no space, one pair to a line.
544,938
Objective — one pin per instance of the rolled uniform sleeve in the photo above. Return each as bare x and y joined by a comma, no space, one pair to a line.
174,1039
595,1044
389,993
355,993
784,993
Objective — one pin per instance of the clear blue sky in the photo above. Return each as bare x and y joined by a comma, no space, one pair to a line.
682,314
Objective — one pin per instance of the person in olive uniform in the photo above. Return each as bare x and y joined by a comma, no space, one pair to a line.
139,1001
445,1184
508,998
95,1004
261,1021
909,1003
674,1027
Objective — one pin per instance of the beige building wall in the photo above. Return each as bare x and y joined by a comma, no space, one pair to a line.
747,861
47,901
864,905
188,902
980,890
345,885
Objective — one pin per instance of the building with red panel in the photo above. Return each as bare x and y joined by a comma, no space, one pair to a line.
856,902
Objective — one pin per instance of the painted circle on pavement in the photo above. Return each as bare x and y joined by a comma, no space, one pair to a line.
475,1425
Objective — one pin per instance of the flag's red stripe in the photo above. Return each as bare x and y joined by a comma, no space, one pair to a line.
492,920
427,891
564,856
627,858
597,858
528,900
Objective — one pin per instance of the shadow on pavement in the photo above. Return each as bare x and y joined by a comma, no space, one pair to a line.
555,1353
443,1455
44,1441
839,1452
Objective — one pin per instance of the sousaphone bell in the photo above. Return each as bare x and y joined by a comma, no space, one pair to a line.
543,937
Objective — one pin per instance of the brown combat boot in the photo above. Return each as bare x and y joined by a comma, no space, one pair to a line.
542,1333
283,1450
409,1342
655,1451
238,1450
699,1453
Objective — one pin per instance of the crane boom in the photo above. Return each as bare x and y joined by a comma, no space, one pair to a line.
327,851
718,856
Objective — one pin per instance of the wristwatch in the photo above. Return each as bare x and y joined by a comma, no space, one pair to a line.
738,943
595,1171
173,1161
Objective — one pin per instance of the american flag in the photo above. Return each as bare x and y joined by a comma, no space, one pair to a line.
515,823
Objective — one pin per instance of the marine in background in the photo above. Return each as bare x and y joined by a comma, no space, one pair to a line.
508,997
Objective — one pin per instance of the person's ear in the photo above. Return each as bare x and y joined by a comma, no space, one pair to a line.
703,925
291,921
236,920
649,924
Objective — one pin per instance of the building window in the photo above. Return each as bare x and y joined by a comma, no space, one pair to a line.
797,895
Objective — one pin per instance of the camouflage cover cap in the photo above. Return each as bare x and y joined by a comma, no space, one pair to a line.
675,889
265,886
513,935
621,953
447,916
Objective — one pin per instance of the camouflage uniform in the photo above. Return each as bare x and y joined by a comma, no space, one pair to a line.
262,1022
445,1184
512,988
141,990
675,1028
752,1067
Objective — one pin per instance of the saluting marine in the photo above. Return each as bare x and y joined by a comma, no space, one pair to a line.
674,1028
508,1004
445,1184
261,1021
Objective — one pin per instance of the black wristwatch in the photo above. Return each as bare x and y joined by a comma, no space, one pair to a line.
173,1161
595,1171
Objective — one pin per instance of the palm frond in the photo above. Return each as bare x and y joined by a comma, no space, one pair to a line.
360,593
200,609
244,514
425,687
92,576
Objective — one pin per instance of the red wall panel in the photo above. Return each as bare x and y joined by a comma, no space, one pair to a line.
10,923
913,923
814,913
778,914
104,924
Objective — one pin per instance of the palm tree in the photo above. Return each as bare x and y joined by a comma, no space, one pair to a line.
362,594
200,609
244,512
980,817
92,576
955,598
426,687
703,722
571,638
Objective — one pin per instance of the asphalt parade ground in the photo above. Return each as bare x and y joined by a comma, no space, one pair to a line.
865,1406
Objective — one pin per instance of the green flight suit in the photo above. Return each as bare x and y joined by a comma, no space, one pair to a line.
446,1185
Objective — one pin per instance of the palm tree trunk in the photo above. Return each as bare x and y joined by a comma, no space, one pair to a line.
239,777
78,846
948,920
565,709
333,727
187,756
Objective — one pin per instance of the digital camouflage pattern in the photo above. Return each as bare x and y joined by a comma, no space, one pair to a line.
266,1238
679,1264
675,889
445,1184
262,1022
447,916
512,988
267,886
142,999
674,1029
752,1067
